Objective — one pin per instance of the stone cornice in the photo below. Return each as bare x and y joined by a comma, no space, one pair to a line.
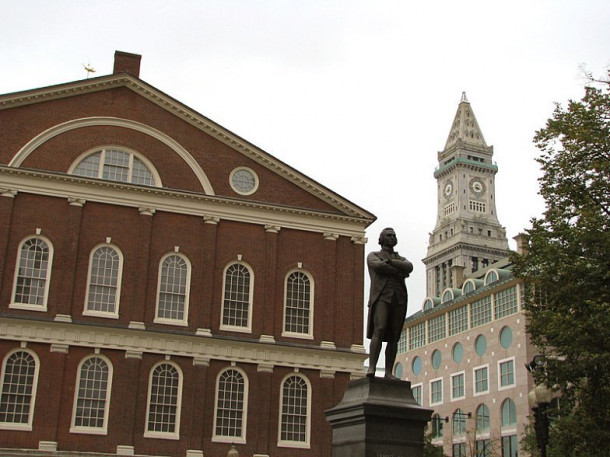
64,335
470,164
162,199
189,115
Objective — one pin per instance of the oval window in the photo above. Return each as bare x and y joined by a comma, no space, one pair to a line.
480,345
416,366
458,352
436,359
506,337
398,370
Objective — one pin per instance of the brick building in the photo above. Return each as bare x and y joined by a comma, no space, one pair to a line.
166,287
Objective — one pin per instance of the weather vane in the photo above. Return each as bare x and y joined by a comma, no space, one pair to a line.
89,69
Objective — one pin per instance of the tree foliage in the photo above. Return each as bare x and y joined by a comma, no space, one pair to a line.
567,270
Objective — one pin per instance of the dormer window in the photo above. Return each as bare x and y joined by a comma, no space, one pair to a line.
117,165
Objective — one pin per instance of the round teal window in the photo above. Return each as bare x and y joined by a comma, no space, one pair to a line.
506,337
416,366
480,345
458,352
436,359
398,370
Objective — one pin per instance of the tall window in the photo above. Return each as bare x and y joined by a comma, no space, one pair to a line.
417,393
19,382
458,450
237,300
116,165
295,410
480,311
163,412
298,310
173,289
231,406
459,422
509,423
437,328
481,380
510,446
417,335
32,274
457,386
458,320
436,391
482,419
505,302
92,396
509,414
103,289
507,372
437,426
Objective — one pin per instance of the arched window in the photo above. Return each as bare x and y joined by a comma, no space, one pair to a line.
31,286
428,304
482,418
173,289
509,414
231,406
92,396
117,165
237,299
298,305
469,286
295,412
164,393
491,276
437,426
459,422
104,286
447,295
19,383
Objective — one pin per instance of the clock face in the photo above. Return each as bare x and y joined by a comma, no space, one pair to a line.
477,186
448,189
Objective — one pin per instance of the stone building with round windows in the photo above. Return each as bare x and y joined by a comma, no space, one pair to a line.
464,352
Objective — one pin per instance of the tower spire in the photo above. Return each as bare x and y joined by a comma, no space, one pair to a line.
465,126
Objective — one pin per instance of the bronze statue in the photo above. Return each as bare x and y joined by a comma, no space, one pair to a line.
387,301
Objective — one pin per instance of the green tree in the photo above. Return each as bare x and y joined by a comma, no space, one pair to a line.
567,270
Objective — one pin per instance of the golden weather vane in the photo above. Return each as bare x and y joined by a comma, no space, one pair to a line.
89,69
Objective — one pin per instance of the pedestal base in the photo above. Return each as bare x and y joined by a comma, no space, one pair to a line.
378,418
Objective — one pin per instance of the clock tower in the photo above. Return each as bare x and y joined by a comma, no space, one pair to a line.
467,235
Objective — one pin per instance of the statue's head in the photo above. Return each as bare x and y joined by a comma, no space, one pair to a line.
387,237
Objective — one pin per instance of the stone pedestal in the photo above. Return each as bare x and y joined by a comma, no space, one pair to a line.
378,417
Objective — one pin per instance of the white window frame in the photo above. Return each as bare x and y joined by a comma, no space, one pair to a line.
309,334
117,300
45,297
295,444
28,425
102,150
431,403
187,288
474,380
509,386
103,430
175,435
241,439
237,328
455,375
421,386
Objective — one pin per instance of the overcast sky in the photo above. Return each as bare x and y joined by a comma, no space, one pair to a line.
358,95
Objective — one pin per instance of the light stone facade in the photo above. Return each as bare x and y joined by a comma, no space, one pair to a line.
478,391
